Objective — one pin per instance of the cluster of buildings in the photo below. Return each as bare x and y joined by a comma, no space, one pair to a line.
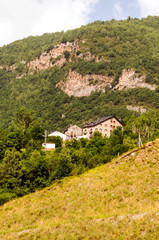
104,125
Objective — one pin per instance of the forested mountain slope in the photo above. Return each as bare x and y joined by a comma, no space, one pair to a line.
118,200
55,74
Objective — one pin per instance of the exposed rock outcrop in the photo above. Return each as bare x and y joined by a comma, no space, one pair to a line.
55,57
139,109
79,85
52,58
76,84
130,79
11,68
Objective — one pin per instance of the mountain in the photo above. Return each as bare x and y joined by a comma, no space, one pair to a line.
118,200
101,69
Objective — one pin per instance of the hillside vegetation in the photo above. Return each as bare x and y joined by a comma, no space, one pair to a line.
102,48
25,167
40,80
116,201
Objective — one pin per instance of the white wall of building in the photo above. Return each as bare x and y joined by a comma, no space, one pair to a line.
58,134
48,145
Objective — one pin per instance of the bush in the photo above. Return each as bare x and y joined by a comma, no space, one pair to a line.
57,140
67,55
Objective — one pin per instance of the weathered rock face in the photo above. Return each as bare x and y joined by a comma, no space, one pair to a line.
45,60
79,85
76,84
11,68
130,79
139,109
55,57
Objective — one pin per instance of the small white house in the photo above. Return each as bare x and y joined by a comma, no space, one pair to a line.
48,146
58,134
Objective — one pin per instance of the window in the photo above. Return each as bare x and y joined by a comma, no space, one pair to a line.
90,131
105,125
100,129
105,130
96,129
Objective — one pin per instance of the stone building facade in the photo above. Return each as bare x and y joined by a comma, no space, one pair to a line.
73,131
104,125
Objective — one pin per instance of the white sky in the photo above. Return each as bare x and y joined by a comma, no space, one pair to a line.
22,18
149,7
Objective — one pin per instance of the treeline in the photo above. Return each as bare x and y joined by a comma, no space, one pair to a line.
26,167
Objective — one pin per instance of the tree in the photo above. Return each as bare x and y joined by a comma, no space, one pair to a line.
25,118
2,150
30,127
96,143
14,140
64,166
67,55
116,137
57,140
11,168
36,171
147,124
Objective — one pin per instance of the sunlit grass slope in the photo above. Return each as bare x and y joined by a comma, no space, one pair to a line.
119,200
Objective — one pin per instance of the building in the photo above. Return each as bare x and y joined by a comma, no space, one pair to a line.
58,134
73,131
48,146
104,125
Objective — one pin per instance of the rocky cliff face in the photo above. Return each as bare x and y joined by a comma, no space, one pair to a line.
130,79
53,57
79,85
76,84
138,109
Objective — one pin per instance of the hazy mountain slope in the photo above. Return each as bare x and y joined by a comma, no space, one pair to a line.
36,72
116,201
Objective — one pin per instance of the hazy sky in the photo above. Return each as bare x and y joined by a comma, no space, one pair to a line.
22,18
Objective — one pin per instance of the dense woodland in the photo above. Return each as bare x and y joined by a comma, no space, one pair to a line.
33,103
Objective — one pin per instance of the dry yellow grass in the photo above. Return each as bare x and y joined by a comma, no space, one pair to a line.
116,201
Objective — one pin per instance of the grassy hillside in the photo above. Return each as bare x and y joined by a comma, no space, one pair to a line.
116,201
118,45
